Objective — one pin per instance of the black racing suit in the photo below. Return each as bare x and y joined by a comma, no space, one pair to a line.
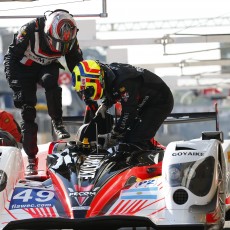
28,62
145,98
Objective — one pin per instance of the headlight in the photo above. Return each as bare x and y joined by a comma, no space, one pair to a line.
174,174
197,176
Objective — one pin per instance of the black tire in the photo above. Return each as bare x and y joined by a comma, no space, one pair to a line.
221,200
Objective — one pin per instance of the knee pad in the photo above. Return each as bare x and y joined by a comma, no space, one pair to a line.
28,113
49,82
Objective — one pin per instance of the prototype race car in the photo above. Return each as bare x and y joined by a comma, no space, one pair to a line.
86,186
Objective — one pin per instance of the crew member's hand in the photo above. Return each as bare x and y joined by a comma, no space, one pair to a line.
115,138
101,110
109,141
112,141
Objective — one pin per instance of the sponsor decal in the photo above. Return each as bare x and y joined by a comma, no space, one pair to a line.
122,89
139,194
125,96
199,154
124,120
32,198
82,194
101,79
143,102
21,34
40,60
146,183
7,120
90,166
83,81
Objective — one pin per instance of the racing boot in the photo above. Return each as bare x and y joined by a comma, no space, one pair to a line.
60,130
32,167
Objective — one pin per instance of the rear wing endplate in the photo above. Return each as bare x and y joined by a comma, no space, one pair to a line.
176,118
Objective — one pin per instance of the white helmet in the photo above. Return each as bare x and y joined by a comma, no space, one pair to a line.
60,31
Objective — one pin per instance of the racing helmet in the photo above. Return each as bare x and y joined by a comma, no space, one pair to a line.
88,79
60,30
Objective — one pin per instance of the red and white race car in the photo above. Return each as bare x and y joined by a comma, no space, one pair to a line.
82,185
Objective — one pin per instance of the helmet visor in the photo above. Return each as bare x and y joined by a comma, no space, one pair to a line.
59,45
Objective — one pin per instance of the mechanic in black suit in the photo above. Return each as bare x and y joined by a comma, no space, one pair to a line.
32,59
145,98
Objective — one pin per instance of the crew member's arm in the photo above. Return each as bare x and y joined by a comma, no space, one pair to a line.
15,53
74,56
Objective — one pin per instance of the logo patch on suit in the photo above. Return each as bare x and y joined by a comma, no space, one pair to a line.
125,96
7,120
122,89
21,34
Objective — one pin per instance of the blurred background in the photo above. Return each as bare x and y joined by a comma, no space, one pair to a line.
187,43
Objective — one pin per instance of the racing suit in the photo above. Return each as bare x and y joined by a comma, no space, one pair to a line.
29,62
145,98
8,124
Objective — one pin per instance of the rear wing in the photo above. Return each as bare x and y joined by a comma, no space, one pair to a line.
176,118
173,118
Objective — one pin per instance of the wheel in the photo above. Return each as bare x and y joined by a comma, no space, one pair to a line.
220,201
221,195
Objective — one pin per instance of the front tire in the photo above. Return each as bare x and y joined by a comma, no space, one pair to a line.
221,196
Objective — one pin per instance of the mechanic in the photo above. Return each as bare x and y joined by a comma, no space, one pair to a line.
32,59
10,125
145,98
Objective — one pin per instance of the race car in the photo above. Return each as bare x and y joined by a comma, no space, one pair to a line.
87,186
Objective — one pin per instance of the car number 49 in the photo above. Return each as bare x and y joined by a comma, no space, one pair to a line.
39,196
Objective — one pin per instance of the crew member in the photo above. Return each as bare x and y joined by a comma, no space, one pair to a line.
32,59
145,98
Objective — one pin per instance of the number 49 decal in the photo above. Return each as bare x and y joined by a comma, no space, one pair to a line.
36,195
23,198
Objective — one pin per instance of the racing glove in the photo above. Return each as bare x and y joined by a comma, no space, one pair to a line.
109,140
101,110
114,138
112,141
